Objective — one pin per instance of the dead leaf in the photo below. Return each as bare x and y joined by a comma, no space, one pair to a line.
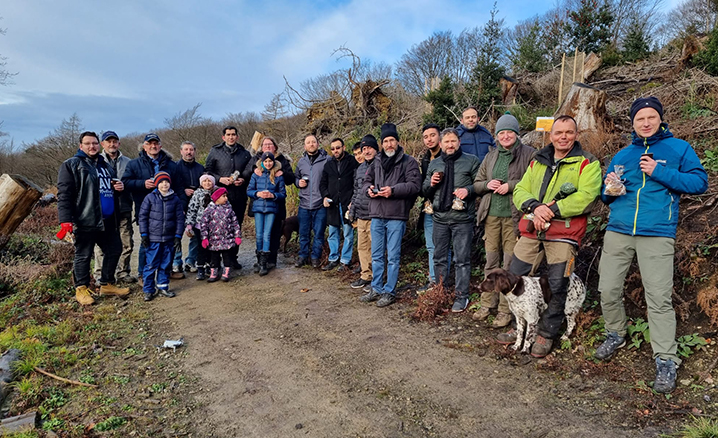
305,290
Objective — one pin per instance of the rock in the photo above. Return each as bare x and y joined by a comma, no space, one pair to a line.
686,382
299,426
707,398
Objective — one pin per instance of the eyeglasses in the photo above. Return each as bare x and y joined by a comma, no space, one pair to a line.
336,149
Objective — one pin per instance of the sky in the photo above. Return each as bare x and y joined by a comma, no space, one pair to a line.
128,65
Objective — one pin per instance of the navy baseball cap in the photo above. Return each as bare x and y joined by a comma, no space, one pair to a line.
150,137
109,134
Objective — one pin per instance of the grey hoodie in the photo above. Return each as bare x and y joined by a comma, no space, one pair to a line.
310,198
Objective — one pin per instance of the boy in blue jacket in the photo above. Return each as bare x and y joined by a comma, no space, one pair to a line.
657,169
161,221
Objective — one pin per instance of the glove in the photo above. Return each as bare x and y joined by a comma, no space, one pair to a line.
205,243
178,244
65,227
238,240
146,241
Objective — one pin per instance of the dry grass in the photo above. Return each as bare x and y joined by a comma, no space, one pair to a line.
433,303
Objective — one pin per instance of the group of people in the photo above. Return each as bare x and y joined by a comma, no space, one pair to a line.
533,205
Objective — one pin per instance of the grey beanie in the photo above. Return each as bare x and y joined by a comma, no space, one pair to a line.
507,122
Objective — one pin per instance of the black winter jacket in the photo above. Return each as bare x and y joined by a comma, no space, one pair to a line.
161,217
78,192
337,184
142,168
404,179
190,176
360,200
224,161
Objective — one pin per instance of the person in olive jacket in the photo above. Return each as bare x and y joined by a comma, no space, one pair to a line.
337,188
227,163
450,186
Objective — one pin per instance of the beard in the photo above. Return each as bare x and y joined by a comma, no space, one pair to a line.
390,153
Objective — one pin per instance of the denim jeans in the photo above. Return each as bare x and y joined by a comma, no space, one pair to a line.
263,227
386,235
348,247
159,262
191,259
311,221
461,234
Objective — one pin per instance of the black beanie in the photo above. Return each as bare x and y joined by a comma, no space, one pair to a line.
389,130
267,155
646,102
431,126
370,141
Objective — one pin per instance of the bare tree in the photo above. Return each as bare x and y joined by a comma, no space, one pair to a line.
629,13
431,58
5,76
465,54
41,159
691,17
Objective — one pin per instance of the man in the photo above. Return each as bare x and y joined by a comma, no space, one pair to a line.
227,163
118,162
139,178
87,207
337,189
657,169
359,212
358,155
312,214
475,139
270,145
392,183
190,170
558,226
450,186
430,136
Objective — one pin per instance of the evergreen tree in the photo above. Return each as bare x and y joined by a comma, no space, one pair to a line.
589,27
708,57
483,88
443,103
527,54
636,46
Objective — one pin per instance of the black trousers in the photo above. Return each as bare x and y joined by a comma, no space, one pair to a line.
111,245
218,256
239,205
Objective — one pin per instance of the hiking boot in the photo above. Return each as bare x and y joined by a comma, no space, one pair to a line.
82,295
665,376
166,293
225,274
502,320
150,297
343,267
370,296
507,338
386,300
190,268
213,275
126,278
111,289
481,314
541,347
359,284
301,261
331,265
271,265
366,289
201,274
459,305
612,343
177,275
357,270
316,263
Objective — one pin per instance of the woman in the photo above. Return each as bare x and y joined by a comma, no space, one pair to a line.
499,173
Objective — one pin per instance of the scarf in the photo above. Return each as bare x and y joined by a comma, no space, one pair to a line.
447,189
388,163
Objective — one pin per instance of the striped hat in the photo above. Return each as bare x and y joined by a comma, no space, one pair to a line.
161,176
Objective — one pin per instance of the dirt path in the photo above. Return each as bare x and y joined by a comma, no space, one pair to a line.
275,362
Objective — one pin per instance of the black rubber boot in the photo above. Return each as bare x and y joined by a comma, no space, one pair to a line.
263,263
256,265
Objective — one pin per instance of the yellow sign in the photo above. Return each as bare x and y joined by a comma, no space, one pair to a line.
544,123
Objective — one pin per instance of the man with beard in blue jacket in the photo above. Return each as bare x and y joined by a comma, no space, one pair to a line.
656,169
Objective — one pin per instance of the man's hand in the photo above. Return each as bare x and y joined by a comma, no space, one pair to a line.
544,213
648,165
493,184
326,203
461,193
502,189
385,192
189,192
118,186
370,192
435,178
149,183
227,181
302,183
239,181
279,173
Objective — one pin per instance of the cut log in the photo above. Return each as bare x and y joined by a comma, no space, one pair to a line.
590,65
19,423
256,142
17,197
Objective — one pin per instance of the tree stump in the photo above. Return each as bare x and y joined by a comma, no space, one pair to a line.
17,197
509,89
590,65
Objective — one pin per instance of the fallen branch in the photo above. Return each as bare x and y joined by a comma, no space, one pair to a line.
62,379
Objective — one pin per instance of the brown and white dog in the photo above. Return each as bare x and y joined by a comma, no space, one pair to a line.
528,297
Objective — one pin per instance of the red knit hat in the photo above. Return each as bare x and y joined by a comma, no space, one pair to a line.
218,194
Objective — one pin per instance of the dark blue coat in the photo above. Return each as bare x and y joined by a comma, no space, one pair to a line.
477,142
262,183
142,168
190,173
161,217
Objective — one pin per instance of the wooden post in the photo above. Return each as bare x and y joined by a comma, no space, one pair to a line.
560,83
583,65
575,58
17,197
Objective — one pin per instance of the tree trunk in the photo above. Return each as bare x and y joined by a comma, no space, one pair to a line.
509,88
17,197
590,65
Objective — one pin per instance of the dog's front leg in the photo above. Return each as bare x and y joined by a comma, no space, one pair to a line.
520,325
531,325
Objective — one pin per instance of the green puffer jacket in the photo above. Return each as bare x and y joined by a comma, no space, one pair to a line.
544,178
465,170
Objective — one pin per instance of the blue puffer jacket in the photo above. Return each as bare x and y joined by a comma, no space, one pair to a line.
262,183
161,217
477,141
650,205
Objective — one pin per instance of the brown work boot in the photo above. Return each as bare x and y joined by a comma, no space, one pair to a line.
111,289
82,295
501,320
507,338
481,314
541,347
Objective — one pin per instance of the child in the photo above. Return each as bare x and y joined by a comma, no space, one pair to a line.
200,199
161,222
265,190
220,233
